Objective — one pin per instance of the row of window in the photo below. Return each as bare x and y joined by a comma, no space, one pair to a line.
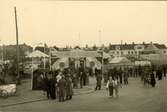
129,52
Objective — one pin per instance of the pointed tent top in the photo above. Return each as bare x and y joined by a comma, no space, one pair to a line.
37,54
118,60
151,47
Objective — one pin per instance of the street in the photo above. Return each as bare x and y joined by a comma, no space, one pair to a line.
132,98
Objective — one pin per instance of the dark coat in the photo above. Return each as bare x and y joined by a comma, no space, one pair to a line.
159,74
99,78
52,88
62,87
69,91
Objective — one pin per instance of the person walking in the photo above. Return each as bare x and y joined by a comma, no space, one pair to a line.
75,80
109,86
81,79
46,86
126,78
153,81
120,75
98,79
116,84
69,91
51,86
159,74
164,70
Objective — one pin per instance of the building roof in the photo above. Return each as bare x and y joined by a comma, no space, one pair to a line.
123,46
76,53
119,60
37,54
132,46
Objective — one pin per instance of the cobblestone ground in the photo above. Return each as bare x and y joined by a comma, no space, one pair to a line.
25,94
132,98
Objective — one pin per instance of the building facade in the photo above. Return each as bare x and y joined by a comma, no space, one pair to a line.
135,50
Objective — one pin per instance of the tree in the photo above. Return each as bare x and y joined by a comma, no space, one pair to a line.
110,46
86,46
94,47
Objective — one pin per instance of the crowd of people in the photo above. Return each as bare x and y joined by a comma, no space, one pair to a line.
60,84
117,76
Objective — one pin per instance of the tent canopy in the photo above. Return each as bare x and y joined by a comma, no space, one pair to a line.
106,55
61,63
37,54
93,62
156,59
77,53
151,47
120,60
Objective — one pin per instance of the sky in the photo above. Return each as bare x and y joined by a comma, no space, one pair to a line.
74,23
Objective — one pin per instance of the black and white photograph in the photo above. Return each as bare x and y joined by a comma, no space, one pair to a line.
83,56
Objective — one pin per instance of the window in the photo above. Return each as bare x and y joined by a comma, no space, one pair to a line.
128,52
164,52
139,47
117,47
131,52
122,53
117,52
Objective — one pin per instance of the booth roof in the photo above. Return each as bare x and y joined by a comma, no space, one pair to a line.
76,54
119,60
157,59
37,54
151,47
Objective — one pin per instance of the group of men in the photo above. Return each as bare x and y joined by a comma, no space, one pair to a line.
61,82
60,85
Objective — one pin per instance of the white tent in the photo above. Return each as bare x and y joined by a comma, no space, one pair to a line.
106,55
120,61
37,54
93,62
61,63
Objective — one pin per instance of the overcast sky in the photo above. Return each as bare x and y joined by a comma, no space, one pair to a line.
61,22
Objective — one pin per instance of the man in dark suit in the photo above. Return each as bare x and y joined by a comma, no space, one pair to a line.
62,89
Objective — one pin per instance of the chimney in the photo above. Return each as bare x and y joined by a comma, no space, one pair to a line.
143,43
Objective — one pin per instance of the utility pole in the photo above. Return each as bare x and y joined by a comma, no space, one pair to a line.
100,43
121,49
79,43
17,46
44,57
